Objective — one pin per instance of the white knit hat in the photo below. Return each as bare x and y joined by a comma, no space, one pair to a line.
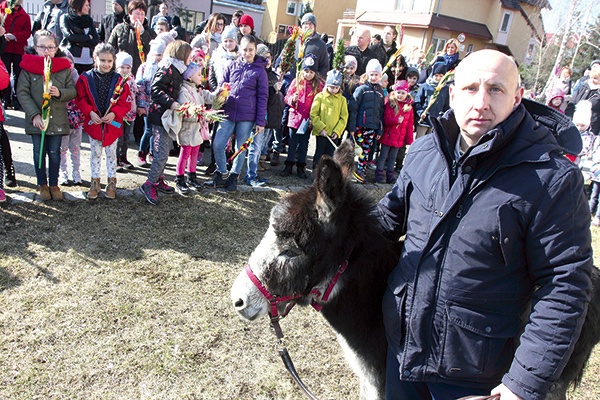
123,59
583,113
373,66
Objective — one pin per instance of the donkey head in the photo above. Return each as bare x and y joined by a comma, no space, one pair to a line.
304,244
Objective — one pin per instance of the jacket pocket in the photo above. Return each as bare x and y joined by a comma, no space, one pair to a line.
394,304
476,344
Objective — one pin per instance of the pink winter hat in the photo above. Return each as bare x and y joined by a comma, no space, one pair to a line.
401,85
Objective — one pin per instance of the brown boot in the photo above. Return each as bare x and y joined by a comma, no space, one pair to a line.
45,193
262,163
94,189
56,193
111,188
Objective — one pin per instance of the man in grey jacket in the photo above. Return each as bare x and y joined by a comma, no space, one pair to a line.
496,221
49,16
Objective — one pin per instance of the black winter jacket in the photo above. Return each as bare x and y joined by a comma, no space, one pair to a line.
482,233
73,30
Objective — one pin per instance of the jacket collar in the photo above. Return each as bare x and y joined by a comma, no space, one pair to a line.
515,137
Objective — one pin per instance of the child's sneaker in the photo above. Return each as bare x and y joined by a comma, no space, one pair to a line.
371,165
121,166
149,190
127,164
2,196
162,186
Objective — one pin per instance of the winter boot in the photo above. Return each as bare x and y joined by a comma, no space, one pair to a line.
111,189
390,177
56,193
232,182
181,186
262,163
45,193
192,181
219,181
301,172
163,187
287,171
94,189
379,176
275,159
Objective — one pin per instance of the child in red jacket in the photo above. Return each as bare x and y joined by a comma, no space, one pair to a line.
104,99
398,121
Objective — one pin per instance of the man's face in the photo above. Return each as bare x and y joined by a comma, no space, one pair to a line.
388,36
485,92
308,26
117,9
363,40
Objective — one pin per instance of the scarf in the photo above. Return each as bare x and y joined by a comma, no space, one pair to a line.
166,62
450,60
216,37
80,21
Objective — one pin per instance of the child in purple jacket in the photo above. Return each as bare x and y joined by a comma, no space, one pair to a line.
245,107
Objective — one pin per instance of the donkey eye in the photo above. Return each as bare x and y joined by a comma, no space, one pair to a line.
290,252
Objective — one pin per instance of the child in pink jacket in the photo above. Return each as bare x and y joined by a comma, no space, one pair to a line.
299,97
398,119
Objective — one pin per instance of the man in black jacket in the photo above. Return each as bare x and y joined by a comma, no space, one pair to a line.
493,284
361,50
110,21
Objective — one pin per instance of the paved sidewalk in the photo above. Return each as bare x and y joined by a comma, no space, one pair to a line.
127,183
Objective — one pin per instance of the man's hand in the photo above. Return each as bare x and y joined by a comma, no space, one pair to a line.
505,393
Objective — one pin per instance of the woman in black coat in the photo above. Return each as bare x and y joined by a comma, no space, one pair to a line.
79,34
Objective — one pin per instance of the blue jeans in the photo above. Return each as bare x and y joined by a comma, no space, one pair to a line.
396,389
242,131
146,137
52,150
254,152
298,146
387,153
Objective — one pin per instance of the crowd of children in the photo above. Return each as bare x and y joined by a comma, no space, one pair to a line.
383,119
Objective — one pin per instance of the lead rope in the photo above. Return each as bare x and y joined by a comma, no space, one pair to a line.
287,360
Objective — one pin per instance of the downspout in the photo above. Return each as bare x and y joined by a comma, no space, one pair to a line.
439,5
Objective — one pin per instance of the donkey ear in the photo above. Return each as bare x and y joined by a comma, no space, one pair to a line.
344,157
331,188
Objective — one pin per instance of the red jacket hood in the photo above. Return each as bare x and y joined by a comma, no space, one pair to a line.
35,64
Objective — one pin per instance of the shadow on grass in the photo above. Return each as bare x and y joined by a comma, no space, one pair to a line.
207,227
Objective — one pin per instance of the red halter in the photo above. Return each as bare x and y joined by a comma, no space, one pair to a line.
273,300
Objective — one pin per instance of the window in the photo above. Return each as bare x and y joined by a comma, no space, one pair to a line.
300,9
291,8
530,51
505,22
283,29
189,19
438,44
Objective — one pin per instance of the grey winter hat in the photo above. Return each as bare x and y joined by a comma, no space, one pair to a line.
334,78
309,17
191,70
230,32
262,50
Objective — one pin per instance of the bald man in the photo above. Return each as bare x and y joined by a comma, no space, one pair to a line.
361,51
491,210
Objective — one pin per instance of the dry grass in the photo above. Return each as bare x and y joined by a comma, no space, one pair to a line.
119,300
